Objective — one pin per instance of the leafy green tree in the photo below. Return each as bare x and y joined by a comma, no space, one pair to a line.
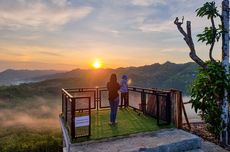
210,89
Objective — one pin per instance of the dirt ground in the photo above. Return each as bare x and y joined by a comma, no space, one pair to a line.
209,143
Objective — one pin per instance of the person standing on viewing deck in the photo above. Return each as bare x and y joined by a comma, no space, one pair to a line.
113,86
124,91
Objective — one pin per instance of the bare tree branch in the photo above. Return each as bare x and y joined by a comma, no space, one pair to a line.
189,41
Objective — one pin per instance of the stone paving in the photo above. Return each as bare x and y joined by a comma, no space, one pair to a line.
165,140
172,140
211,147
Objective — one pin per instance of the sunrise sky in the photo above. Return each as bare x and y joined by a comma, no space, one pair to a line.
69,34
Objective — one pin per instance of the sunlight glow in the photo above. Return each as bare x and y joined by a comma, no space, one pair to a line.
129,81
97,64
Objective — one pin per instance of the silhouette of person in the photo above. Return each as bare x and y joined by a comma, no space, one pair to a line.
124,91
113,86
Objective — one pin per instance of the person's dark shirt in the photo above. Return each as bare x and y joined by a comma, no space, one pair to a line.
113,90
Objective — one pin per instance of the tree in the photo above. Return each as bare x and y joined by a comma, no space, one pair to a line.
225,61
208,100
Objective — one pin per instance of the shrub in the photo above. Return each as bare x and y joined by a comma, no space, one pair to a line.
207,93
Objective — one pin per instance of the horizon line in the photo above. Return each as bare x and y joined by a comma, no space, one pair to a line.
62,70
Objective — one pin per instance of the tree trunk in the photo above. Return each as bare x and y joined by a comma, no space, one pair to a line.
225,62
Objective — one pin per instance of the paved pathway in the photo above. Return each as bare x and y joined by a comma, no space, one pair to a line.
211,147
174,140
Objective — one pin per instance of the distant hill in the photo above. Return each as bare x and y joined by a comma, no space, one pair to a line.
12,77
167,75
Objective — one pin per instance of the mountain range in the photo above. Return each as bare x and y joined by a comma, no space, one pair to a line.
165,76
14,77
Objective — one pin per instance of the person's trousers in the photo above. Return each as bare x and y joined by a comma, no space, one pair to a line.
113,106
124,98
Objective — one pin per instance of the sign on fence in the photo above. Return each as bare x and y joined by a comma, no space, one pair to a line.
81,121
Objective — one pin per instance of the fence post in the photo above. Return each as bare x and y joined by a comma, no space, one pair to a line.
168,105
158,110
73,118
143,101
179,102
176,99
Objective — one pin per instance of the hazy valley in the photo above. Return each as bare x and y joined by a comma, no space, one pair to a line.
33,108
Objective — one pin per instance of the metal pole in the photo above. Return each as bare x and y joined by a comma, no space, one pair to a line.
62,101
73,118
225,63
97,98
89,116
66,108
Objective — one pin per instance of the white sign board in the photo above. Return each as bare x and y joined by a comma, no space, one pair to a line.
81,121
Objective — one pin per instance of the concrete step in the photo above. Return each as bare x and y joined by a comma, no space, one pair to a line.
195,150
166,140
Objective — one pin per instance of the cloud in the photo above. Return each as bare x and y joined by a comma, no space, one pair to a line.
26,119
107,30
50,53
174,50
26,37
61,3
148,2
32,65
10,52
88,28
46,15
159,15
157,27
44,115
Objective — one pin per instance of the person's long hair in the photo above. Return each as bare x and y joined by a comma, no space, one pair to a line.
113,78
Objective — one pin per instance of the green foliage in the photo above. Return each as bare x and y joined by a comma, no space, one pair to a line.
209,9
207,92
208,34
27,140
212,33
208,88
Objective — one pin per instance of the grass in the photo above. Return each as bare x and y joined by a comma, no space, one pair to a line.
128,122
22,139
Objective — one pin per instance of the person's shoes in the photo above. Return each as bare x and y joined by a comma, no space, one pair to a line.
110,123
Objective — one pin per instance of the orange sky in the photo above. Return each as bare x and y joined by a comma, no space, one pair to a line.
70,34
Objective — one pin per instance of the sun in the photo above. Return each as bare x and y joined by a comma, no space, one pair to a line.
97,64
